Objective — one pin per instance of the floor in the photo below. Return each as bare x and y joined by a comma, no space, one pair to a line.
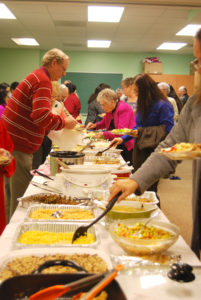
175,197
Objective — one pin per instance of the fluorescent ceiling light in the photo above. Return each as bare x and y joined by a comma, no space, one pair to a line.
5,13
25,41
189,30
105,13
98,44
171,46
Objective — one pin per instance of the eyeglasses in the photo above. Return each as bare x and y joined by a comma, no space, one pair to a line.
196,64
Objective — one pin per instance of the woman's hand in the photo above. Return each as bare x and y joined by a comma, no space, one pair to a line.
70,122
126,186
91,125
134,133
5,156
115,142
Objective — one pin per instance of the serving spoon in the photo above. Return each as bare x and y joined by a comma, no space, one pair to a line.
82,230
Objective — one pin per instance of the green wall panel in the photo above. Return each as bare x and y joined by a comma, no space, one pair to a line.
87,82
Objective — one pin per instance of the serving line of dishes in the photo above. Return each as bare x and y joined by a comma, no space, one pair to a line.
24,229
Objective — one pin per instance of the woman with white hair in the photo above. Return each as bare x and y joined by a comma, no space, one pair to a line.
118,115
165,89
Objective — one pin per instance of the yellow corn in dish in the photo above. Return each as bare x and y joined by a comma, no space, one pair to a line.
66,214
36,237
129,209
140,231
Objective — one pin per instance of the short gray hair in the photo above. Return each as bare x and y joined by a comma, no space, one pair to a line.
108,95
165,85
182,88
54,53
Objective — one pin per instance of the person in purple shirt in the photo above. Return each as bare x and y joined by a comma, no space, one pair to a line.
154,120
118,115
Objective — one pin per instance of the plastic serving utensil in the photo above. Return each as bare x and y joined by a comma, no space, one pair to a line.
99,153
82,230
55,291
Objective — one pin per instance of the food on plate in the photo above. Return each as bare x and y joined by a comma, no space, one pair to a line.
27,264
141,231
50,199
121,131
127,208
102,115
183,147
3,159
62,214
105,160
79,127
36,237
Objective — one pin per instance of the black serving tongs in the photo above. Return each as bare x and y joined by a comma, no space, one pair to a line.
82,230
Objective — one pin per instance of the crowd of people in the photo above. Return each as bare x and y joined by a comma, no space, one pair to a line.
29,110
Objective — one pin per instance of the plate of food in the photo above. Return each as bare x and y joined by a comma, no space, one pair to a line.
182,151
122,131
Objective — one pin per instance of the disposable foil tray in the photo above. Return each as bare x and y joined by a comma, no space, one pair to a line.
51,227
58,208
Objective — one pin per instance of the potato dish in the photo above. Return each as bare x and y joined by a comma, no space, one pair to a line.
137,239
36,237
62,214
140,231
27,264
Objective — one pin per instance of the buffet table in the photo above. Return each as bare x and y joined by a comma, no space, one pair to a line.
137,282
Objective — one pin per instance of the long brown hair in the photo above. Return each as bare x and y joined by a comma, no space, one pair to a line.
148,93
198,38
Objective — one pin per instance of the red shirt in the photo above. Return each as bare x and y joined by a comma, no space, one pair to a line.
8,170
73,105
28,115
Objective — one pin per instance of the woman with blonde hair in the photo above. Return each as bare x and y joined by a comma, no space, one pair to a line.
187,130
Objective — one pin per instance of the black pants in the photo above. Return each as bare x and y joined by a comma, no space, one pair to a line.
127,155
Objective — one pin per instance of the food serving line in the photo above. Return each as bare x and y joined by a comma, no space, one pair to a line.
140,279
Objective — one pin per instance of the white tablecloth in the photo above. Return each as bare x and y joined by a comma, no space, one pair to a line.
144,284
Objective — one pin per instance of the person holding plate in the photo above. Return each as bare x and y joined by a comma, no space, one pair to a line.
187,130
118,115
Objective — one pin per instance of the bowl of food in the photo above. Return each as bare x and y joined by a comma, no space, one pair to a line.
130,209
136,238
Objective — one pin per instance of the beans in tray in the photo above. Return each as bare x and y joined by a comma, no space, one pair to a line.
52,199
27,264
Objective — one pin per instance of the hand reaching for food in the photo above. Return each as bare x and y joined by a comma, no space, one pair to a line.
91,125
115,142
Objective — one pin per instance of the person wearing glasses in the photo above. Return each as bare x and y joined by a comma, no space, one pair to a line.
187,130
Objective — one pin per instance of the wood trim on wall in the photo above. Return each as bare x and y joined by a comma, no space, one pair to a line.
176,81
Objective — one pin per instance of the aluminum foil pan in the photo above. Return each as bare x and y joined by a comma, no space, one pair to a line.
90,155
51,199
51,227
57,211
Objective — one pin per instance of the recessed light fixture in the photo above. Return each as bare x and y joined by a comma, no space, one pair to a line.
189,30
98,44
171,46
25,41
5,13
105,13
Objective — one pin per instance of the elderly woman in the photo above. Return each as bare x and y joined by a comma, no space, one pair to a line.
187,130
165,89
118,115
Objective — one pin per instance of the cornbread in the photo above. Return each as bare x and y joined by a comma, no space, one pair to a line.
36,237
65,214
27,264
